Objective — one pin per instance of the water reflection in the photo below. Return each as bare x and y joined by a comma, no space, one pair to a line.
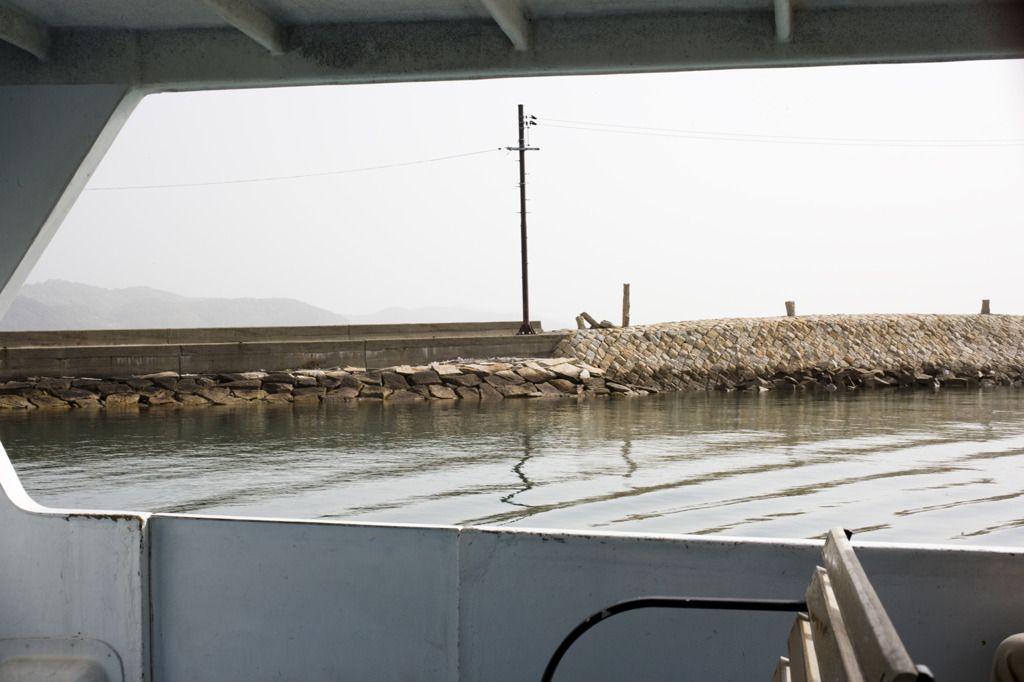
518,470
915,466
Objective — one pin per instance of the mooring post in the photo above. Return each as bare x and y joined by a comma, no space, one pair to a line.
790,308
984,306
625,305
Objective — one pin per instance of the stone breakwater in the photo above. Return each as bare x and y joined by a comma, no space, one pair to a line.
832,352
829,352
479,380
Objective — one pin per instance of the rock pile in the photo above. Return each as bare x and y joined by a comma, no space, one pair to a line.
829,352
849,379
810,352
478,380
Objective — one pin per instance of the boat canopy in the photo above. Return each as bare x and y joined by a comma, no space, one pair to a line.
71,72
168,597
194,44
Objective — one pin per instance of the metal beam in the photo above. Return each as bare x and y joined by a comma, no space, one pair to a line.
510,15
251,20
358,52
21,29
52,138
783,20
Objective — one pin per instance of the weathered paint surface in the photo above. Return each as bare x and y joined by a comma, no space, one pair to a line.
251,600
257,600
67,575
52,138
182,45
241,599
56,659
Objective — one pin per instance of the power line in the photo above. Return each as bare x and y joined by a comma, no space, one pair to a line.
772,139
292,177
589,126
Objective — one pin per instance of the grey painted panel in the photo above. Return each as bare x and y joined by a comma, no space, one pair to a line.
621,39
60,13
51,138
951,606
250,600
235,599
132,14
544,584
323,11
68,575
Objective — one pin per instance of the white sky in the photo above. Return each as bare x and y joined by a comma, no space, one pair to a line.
842,207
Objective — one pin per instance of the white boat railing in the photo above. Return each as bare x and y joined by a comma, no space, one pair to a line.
177,597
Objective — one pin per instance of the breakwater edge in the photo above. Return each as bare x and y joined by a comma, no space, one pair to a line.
828,352
814,351
480,380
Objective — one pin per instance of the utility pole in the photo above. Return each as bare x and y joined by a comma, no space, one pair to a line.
522,149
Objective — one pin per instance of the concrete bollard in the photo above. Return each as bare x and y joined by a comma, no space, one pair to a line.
984,306
790,308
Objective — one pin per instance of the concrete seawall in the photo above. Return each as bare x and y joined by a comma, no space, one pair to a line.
119,353
841,350
836,352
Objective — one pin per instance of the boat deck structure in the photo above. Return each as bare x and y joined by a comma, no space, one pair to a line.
136,596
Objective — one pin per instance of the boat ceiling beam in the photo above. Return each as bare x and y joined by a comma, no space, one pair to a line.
21,29
211,57
510,15
783,20
251,20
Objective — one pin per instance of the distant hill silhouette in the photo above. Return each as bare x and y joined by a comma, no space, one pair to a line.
56,305
395,315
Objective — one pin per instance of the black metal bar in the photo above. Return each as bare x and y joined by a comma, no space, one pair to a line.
667,603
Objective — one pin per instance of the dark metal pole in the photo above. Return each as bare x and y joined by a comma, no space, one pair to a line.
525,328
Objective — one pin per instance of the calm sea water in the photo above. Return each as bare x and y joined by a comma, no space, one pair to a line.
894,465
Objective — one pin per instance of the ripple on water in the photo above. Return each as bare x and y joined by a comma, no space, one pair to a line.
910,466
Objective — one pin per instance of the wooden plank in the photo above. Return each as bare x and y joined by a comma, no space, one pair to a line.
880,652
803,662
837,659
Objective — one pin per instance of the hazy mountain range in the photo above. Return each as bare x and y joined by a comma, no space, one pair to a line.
56,304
